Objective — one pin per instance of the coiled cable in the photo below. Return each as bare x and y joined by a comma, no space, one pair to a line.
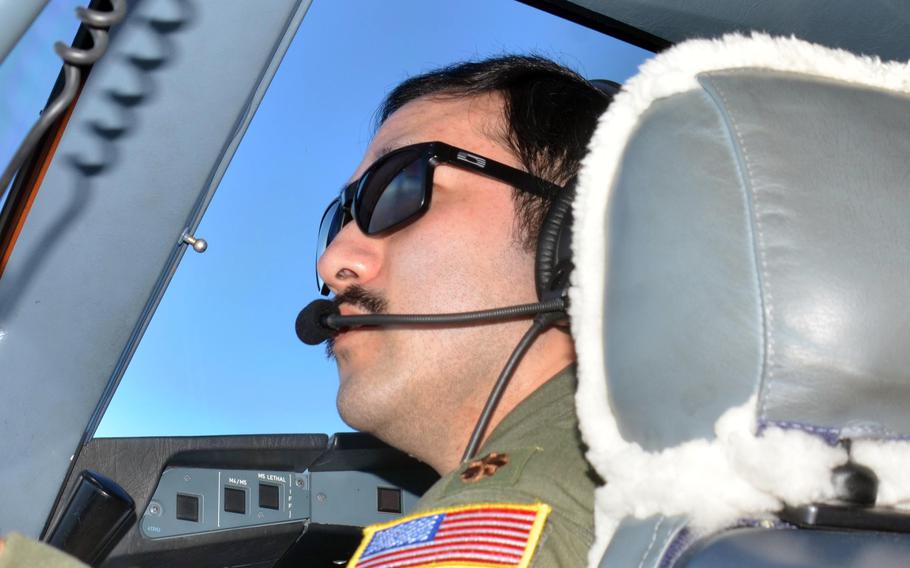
97,23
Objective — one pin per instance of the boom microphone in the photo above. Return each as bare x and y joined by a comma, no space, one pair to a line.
310,324
321,319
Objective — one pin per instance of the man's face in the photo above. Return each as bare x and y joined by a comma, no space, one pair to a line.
464,254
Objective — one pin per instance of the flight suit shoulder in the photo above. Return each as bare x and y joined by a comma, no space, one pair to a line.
528,476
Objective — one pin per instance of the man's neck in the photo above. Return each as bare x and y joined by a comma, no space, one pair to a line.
552,353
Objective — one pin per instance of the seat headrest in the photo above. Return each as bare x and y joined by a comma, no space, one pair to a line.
742,245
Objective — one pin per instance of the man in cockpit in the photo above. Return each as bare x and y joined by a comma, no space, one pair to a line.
447,205
431,235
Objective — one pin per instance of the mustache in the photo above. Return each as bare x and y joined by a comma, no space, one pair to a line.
358,297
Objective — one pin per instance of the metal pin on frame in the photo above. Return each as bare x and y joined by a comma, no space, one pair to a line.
199,245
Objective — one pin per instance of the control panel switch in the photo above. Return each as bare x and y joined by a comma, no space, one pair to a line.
388,499
188,507
268,496
234,500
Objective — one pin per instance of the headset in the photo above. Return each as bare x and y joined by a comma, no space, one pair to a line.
553,265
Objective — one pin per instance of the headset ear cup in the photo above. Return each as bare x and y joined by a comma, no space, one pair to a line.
553,264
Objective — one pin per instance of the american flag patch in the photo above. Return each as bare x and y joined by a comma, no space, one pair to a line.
490,535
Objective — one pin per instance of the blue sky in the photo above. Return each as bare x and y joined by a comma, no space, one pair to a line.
220,355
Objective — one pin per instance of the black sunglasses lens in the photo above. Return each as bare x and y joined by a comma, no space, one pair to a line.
329,227
391,193
394,195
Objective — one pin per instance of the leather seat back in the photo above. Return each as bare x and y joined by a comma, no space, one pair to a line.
742,242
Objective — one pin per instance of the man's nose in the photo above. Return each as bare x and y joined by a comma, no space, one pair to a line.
351,258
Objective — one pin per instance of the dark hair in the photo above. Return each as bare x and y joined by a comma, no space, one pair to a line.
550,114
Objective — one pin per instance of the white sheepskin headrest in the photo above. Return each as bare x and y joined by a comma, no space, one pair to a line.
733,473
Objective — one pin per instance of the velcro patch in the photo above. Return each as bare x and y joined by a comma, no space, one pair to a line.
489,535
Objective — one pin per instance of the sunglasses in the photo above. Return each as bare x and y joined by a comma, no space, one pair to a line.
396,190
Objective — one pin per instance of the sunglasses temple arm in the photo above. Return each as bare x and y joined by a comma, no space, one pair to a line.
513,176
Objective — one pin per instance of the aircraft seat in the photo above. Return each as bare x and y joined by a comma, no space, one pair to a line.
741,307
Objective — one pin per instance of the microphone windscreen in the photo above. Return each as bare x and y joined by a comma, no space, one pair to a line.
310,326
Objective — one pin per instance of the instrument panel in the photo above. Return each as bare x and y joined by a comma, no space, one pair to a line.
193,500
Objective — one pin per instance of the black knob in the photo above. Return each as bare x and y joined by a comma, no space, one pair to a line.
96,517
855,484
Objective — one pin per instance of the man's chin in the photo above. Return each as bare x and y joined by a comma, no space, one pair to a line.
355,413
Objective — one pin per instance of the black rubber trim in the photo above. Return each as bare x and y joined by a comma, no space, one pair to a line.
601,23
838,517
355,451
250,547
355,441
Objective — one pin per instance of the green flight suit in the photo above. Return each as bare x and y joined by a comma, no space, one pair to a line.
546,464
20,552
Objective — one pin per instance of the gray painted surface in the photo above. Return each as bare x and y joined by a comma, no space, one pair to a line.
350,498
17,16
874,27
150,138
